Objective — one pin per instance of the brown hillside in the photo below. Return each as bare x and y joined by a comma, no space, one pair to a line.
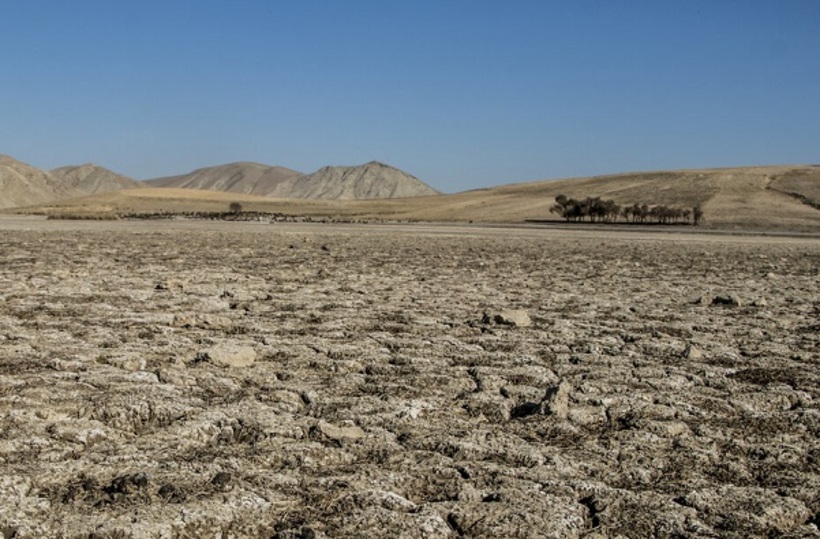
242,177
736,197
24,185
801,183
372,180
369,181
91,179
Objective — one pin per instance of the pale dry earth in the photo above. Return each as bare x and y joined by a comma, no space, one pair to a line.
183,379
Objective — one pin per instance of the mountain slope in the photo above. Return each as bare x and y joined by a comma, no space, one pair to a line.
372,180
91,179
743,197
241,177
24,185
739,196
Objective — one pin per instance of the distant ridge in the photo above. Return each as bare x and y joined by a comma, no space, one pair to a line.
241,177
92,179
785,197
372,180
777,197
24,185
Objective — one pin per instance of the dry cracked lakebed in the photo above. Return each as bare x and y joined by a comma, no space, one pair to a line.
234,380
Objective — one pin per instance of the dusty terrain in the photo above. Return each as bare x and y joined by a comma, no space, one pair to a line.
181,379
748,198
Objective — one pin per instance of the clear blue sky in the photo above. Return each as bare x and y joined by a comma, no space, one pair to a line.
461,93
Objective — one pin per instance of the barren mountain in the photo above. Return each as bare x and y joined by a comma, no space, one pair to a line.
242,177
372,180
777,197
368,181
91,179
24,185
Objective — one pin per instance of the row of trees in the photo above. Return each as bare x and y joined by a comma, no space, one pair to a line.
598,210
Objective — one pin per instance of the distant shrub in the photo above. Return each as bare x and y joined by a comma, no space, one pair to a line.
697,215
85,216
598,210
595,209
235,207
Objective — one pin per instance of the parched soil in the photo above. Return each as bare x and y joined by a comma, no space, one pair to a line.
296,381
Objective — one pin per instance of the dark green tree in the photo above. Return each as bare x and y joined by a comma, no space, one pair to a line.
697,215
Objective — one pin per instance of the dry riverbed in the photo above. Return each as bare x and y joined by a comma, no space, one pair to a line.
174,379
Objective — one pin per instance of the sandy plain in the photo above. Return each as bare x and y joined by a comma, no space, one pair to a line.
203,379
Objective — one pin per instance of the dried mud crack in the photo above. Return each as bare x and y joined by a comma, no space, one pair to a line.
294,381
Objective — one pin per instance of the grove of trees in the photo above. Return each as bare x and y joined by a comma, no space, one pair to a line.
598,210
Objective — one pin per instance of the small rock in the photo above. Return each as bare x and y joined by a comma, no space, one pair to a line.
92,437
692,353
190,321
760,302
171,376
469,494
170,284
727,300
492,407
127,484
525,409
171,493
556,401
87,433
143,377
508,317
222,481
229,355
412,410
183,321
705,299
346,433
594,349
587,415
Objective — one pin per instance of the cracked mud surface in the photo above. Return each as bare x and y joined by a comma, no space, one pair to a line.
208,380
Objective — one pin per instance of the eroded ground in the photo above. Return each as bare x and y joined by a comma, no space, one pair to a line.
209,380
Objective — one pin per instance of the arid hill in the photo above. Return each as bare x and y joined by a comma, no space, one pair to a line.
765,196
777,197
91,179
368,181
24,185
372,180
242,177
